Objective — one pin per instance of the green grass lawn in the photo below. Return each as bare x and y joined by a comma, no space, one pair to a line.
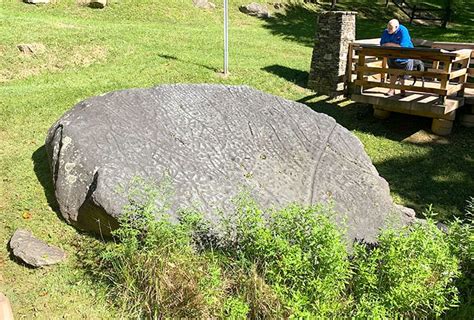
149,42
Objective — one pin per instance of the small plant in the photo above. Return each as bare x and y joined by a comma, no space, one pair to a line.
410,273
461,240
298,251
152,268
287,263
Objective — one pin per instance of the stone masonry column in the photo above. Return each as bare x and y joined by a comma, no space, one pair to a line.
335,30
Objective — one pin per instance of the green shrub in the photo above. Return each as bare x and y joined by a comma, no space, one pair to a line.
288,263
410,273
299,252
461,240
152,268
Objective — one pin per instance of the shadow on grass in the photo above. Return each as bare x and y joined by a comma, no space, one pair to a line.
424,173
297,22
292,75
43,173
174,58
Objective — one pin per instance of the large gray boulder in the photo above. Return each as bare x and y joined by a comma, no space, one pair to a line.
212,141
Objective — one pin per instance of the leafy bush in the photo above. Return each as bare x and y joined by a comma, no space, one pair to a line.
278,264
410,273
151,266
461,240
299,252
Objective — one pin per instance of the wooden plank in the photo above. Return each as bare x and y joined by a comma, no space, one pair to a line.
375,64
406,52
429,73
470,71
462,54
457,73
453,46
408,55
375,41
395,104
454,88
469,85
364,83
447,69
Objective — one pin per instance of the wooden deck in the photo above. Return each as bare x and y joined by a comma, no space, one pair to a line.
469,96
415,103
448,84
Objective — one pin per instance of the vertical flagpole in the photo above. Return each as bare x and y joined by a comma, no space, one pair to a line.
226,37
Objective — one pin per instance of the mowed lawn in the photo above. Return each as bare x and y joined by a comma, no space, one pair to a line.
149,42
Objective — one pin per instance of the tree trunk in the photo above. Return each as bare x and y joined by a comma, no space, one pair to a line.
447,13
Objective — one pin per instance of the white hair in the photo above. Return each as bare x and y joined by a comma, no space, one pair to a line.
393,24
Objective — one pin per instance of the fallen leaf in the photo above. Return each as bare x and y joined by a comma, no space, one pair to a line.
27,215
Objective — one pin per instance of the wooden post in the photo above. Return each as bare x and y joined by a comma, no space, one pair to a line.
381,114
348,76
463,79
360,74
442,127
445,79
384,65
436,66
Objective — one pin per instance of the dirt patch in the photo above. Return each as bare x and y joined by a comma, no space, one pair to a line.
33,61
424,137
87,55
31,48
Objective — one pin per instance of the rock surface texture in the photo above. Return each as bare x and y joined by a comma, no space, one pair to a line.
255,9
100,4
37,1
204,4
212,141
33,251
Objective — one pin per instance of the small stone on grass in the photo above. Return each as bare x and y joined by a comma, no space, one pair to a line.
34,251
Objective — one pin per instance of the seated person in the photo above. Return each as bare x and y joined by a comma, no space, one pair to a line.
397,35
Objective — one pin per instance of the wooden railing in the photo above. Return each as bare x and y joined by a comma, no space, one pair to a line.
459,46
447,70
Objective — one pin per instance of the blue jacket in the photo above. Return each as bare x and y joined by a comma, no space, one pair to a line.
401,37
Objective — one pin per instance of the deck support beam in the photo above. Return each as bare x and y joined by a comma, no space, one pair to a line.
380,113
442,127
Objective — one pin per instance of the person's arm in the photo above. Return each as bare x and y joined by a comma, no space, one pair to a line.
391,44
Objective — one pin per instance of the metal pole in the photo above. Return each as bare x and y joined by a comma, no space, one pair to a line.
226,37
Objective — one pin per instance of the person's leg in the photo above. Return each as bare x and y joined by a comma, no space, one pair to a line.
391,91
393,79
